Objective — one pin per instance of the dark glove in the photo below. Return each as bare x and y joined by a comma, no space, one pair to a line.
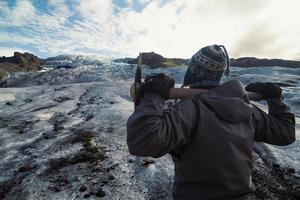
267,90
159,84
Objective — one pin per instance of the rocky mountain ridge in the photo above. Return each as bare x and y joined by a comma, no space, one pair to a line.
154,60
19,62
258,62
29,62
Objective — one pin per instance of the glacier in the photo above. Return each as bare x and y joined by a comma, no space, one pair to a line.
55,121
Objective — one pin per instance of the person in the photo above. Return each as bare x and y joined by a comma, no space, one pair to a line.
211,135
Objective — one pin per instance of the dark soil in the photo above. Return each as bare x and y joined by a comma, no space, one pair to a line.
275,183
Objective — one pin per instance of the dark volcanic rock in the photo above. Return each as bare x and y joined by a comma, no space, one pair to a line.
124,60
64,66
21,62
274,182
152,59
26,167
155,60
83,188
100,193
256,62
4,75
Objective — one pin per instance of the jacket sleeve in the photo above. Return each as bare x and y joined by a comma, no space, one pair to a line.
277,127
153,131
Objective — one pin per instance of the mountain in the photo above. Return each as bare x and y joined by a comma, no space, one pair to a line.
21,62
256,62
155,60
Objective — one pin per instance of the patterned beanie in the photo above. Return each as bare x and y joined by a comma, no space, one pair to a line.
207,67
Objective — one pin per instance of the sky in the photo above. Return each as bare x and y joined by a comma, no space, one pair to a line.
172,28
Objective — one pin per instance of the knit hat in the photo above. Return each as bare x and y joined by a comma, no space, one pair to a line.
207,67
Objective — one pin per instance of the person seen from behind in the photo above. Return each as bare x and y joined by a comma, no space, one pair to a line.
211,135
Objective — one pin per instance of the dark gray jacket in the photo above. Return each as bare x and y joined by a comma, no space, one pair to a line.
210,137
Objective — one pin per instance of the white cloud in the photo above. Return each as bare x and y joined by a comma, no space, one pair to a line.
56,2
60,8
129,2
174,28
22,13
10,51
96,11
3,8
179,28
144,1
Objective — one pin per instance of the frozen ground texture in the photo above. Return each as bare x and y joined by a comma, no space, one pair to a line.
63,132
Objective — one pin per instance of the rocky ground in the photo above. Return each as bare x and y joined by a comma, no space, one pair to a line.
63,136
70,142
274,182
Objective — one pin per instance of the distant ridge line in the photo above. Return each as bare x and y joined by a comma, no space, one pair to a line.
154,60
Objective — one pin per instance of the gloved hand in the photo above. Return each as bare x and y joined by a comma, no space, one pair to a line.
159,84
267,90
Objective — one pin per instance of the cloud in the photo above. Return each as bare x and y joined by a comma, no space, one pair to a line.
129,2
297,56
174,28
258,41
60,8
97,11
22,13
10,51
238,7
143,1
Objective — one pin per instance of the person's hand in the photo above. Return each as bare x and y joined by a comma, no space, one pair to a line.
267,90
159,84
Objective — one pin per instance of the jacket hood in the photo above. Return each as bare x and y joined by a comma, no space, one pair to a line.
229,101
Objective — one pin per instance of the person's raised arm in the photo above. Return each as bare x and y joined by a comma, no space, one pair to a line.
153,131
278,126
